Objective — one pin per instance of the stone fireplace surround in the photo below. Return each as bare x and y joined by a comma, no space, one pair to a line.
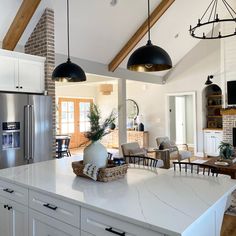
229,122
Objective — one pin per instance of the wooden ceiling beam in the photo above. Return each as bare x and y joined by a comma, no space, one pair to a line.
19,24
139,34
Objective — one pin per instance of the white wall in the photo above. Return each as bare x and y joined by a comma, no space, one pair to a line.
107,103
189,119
77,91
150,99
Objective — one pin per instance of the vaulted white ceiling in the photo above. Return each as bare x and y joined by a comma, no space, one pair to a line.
99,30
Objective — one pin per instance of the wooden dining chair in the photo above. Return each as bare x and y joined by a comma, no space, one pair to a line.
62,147
199,168
142,161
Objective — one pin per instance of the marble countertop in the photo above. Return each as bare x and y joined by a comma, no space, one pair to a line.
162,200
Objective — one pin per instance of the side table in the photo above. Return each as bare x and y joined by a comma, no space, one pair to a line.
164,155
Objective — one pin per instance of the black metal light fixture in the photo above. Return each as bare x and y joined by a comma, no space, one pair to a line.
209,82
150,57
211,18
68,71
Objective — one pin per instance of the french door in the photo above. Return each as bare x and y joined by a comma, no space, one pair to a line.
72,119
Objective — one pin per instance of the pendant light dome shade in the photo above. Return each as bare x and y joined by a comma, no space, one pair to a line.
68,72
149,58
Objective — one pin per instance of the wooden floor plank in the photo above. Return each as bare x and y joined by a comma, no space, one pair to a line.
229,226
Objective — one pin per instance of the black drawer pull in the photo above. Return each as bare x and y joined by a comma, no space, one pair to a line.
114,232
9,208
8,190
50,206
5,206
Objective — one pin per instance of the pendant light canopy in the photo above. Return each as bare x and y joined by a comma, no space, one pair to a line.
150,57
68,71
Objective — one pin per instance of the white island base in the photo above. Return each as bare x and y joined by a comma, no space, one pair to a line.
46,198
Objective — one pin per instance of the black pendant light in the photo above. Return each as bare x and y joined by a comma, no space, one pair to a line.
209,82
68,71
149,57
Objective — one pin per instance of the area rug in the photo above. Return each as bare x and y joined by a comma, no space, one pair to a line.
232,209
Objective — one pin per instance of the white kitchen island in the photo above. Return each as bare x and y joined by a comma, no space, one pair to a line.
46,198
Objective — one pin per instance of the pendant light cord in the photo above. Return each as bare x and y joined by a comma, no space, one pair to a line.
68,30
149,34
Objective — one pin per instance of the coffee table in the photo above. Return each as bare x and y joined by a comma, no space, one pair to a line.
226,170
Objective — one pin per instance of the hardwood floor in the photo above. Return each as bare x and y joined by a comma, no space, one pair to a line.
229,226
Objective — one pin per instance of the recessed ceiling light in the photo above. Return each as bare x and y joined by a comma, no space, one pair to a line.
176,36
113,2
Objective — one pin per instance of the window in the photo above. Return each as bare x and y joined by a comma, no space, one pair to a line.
67,117
84,109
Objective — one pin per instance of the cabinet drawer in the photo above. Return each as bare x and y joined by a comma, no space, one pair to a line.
56,208
14,192
42,225
102,225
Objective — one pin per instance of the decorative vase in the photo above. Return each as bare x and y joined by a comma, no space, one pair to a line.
112,126
96,154
141,127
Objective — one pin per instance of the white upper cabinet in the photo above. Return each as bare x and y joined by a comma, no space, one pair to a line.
31,76
20,72
8,73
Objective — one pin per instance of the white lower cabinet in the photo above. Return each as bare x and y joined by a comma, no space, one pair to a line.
13,218
102,225
42,225
212,141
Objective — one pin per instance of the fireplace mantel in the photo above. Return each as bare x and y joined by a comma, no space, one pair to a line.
228,111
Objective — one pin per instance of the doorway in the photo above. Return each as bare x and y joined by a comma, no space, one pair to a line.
72,119
181,117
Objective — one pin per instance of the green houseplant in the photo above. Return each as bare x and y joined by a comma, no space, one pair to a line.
95,153
226,151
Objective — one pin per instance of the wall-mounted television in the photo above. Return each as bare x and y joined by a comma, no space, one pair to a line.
231,90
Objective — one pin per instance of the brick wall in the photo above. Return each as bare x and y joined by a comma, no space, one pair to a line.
41,43
228,125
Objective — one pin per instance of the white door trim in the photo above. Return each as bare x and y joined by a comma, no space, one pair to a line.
193,94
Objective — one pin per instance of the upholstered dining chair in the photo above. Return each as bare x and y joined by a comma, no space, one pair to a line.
164,143
133,153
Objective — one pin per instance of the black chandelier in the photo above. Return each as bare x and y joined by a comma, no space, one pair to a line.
211,18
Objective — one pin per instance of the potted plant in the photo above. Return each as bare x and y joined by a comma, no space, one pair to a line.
95,153
226,151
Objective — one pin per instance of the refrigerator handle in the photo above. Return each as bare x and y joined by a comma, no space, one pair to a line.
26,133
32,131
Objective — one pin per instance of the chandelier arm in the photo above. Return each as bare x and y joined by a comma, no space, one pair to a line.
212,11
227,7
230,7
68,30
213,25
207,10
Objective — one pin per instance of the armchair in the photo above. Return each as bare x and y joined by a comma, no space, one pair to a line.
131,152
164,143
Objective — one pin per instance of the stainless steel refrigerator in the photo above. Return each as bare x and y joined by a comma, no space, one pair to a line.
26,129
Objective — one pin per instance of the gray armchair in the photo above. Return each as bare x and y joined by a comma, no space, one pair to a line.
170,148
